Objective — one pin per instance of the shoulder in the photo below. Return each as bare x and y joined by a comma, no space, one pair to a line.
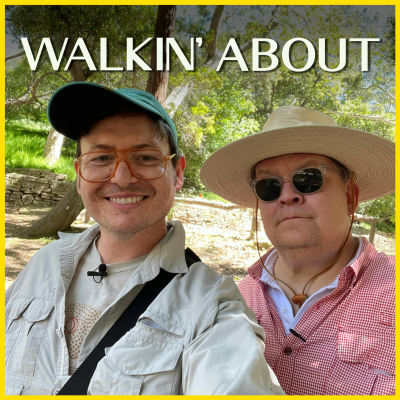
206,282
376,264
192,296
39,276
40,261
214,299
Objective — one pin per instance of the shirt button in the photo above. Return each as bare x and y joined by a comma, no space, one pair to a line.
283,309
59,333
287,351
55,391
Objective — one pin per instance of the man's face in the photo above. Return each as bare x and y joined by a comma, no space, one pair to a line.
152,199
295,220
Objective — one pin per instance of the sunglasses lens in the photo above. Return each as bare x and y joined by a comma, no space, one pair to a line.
268,189
308,180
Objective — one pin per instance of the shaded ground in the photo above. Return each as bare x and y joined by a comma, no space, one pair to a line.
228,252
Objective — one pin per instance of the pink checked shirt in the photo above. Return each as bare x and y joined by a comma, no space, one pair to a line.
350,333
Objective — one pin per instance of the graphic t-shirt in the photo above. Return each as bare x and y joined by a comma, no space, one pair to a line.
86,299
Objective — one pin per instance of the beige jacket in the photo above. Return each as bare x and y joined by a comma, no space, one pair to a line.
201,338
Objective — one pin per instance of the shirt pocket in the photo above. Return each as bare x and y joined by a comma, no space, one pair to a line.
27,322
137,364
363,359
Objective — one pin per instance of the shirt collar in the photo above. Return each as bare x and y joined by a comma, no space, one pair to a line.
256,269
365,251
168,254
365,254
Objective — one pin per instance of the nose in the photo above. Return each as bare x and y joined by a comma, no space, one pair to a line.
290,195
123,174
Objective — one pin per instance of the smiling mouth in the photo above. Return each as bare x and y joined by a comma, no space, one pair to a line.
126,200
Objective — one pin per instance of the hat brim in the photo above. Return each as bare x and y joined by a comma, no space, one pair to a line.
74,106
372,158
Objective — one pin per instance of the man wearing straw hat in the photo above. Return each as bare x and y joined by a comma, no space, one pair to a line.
123,308
324,298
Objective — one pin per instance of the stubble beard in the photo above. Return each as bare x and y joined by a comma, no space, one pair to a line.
131,231
312,240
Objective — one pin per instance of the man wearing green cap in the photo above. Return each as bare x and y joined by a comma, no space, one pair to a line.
122,308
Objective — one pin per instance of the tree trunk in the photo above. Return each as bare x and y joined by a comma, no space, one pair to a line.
76,69
179,94
157,82
60,217
253,227
52,149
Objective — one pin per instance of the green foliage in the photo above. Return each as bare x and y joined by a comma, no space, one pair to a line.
390,34
224,106
382,208
24,148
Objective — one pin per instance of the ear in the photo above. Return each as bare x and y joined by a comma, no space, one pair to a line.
349,196
180,168
78,177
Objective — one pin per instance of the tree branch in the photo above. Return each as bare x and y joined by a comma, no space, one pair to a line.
272,24
32,91
15,56
212,46
295,12
369,117
383,90
213,62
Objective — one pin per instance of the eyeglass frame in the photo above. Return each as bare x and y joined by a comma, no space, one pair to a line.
119,159
289,178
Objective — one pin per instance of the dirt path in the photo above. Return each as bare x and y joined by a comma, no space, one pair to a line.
228,252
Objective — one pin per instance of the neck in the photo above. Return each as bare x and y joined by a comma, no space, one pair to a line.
114,248
296,268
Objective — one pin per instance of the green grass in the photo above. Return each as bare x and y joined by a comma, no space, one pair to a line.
24,148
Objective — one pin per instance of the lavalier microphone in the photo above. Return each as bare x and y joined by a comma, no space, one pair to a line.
101,272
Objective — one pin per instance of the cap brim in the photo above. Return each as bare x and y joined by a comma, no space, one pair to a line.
74,106
227,171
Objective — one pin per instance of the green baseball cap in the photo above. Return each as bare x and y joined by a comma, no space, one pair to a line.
75,106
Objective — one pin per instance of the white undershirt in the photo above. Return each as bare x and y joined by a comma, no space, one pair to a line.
86,300
282,303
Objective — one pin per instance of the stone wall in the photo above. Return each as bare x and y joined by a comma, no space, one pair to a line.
26,186
34,186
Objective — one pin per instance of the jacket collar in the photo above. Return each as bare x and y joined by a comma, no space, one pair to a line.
168,254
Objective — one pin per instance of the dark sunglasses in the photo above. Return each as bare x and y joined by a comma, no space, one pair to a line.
304,181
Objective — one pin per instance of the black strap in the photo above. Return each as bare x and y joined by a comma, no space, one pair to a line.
79,382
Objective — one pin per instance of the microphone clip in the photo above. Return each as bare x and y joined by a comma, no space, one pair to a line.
102,272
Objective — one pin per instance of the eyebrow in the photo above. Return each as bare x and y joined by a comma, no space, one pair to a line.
305,165
101,146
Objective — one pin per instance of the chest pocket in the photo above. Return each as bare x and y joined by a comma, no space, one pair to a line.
364,360
138,364
27,322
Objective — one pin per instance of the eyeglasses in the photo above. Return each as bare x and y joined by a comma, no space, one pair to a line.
100,166
304,181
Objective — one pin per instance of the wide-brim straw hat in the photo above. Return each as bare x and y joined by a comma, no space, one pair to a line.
227,172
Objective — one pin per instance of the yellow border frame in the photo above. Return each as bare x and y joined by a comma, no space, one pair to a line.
108,2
